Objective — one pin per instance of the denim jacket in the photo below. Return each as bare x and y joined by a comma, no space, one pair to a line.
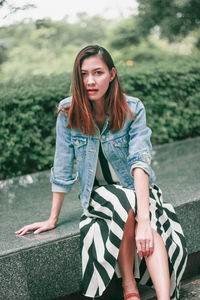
125,149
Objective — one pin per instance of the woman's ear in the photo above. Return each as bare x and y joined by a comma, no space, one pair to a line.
112,74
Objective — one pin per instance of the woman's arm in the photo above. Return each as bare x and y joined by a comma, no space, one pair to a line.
139,160
144,236
61,175
51,222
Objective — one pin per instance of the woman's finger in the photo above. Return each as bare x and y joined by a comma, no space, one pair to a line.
143,246
43,228
147,248
40,230
24,231
27,228
20,230
139,249
151,246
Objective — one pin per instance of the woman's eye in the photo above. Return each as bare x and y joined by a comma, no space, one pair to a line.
83,73
99,72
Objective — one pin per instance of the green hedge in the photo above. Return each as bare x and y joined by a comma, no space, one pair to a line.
28,113
172,102
28,117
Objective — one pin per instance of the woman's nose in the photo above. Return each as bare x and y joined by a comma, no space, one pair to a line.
90,79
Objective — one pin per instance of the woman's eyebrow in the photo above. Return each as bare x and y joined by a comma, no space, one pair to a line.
93,69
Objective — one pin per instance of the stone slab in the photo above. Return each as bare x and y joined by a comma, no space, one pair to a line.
177,168
40,266
42,272
27,199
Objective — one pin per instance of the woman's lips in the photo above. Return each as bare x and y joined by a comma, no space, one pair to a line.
92,91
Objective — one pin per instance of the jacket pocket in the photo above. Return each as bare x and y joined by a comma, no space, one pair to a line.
121,141
80,147
121,145
79,141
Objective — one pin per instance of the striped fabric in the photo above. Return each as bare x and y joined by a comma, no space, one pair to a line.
101,229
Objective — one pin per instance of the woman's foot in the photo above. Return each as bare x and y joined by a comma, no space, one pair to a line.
130,291
131,296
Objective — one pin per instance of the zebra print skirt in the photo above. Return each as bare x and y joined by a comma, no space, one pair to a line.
101,229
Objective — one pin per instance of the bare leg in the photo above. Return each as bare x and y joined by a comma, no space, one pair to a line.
157,265
126,256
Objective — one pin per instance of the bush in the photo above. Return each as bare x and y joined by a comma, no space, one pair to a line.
171,99
28,113
28,116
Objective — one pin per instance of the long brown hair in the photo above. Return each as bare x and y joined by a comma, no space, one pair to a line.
80,112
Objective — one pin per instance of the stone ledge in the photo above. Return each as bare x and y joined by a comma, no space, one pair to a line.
48,265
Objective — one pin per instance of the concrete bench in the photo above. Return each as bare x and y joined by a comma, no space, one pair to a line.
47,266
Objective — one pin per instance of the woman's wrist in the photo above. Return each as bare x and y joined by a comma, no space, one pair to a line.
53,220
143,211
143,219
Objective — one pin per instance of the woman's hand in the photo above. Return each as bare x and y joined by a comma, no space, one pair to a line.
51,222
38,227
144,238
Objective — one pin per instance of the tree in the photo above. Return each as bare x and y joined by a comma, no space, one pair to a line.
174,17
3,53
2,2
89,29
124,34
14,8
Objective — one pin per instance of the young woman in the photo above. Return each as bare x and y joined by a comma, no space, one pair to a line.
125,226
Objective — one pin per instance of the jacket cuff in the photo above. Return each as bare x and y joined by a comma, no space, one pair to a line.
140,156
59,189
60,185
142,165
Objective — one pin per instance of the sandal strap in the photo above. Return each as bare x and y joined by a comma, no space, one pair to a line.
131,295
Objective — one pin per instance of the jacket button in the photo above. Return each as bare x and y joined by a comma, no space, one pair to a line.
103,137
125,184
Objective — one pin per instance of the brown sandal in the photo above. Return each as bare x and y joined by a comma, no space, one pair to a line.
131,295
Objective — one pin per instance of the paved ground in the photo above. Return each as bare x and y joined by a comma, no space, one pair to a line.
190,289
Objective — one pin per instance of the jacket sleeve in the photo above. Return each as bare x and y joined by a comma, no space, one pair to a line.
139,142
62,172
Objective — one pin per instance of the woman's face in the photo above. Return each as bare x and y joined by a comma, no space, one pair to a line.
96,77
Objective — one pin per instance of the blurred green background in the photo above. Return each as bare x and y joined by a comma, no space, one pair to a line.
156,52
